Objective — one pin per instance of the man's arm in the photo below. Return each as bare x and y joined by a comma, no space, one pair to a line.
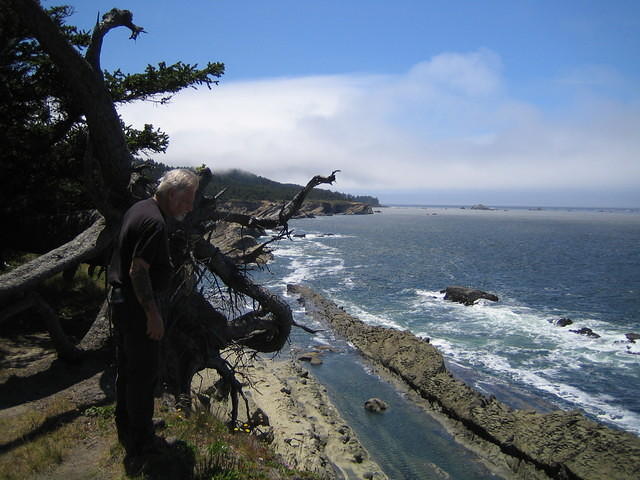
141,282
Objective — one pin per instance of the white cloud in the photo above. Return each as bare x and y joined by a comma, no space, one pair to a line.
447,123
471,74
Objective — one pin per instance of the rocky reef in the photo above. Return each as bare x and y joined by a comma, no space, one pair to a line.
517,443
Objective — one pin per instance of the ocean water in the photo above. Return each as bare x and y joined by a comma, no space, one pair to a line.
388,269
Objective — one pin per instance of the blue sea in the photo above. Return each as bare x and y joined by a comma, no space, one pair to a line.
389,268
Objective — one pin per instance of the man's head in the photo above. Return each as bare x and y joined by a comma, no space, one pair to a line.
176,192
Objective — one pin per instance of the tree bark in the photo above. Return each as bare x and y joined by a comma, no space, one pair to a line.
88,244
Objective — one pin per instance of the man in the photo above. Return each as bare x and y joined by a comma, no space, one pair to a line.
140,271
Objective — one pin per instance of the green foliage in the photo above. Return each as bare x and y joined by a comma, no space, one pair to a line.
216,461
42,132
228,475
106,412
37,118
104,416
146,140
158,80
224,455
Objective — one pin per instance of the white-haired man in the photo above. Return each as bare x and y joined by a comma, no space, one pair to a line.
140,270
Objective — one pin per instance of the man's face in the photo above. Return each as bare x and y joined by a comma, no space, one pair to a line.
181,203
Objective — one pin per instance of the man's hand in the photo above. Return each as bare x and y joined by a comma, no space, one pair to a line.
139,274
155,326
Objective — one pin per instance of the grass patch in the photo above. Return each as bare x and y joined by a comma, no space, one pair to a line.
212,451
22,425
102,416
223,455
31,456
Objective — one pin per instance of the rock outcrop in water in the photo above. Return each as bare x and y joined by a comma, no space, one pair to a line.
561,322
632,337
466,296
375,405
531,445
587,332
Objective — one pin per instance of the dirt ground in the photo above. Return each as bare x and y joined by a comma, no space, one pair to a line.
44,431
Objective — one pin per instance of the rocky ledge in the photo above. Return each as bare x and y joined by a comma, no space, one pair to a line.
522,443
236,241
296,416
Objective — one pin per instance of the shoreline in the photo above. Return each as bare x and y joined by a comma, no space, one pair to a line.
307,430
512,443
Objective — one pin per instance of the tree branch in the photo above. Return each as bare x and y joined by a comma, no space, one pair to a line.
110,20
223,267
290,209
86,245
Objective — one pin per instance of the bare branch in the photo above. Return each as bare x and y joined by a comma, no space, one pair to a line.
291,208
110,20
307,329
253,255
223,267
287,212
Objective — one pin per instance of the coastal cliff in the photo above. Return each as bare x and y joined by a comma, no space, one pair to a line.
310,208
524,443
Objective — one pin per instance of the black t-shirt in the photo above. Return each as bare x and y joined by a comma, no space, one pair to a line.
143,235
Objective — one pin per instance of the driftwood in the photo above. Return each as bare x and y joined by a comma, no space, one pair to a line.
196,332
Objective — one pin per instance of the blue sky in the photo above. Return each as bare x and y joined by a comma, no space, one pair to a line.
436,102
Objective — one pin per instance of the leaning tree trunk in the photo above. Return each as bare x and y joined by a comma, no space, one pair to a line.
92,99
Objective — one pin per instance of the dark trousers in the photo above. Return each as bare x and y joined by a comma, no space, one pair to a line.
137,375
